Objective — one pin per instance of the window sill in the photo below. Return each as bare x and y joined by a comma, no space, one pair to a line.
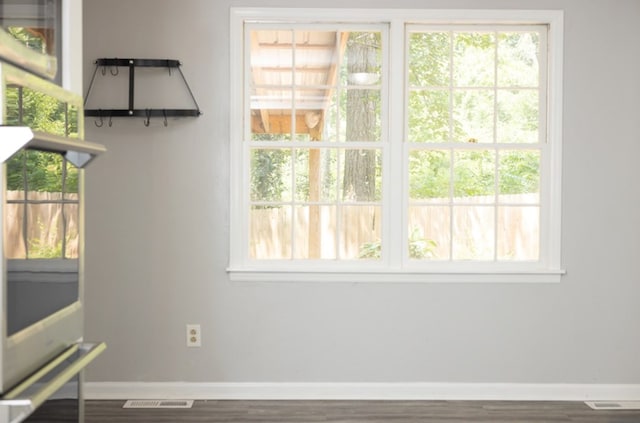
382,276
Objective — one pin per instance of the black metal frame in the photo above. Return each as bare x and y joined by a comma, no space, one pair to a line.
131,111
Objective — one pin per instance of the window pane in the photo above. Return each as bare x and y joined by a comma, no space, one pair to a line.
291,82
34,108
429,116
429,233
362,58
309,114
362,74
44,173
316,175
519,177
71,182
518,233
429,175
315,232
335,120
71,239
429,54
473,112
15,173
271,49
360,232
473,59
361,179
270,175
271,114
518,115
362,114
44,229
354,115
473,233
518,64
270,232
73,121
14,246
314,54
474,176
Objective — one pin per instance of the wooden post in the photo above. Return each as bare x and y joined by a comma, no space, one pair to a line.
315,122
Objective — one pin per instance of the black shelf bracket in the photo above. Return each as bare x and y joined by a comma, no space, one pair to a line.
113,65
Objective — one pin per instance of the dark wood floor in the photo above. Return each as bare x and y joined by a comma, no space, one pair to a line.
360,412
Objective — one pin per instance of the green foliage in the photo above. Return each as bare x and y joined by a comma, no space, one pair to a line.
267,171
419,247
45,172
519,172
451,101
34,41
429,59
429,173
37,110
474,173
438,60
41,250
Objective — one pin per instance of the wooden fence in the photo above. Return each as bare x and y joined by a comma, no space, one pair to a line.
51,225
477,230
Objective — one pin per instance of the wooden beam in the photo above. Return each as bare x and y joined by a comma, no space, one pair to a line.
315,182
268,122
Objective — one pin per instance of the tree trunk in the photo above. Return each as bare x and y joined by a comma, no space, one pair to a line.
360,165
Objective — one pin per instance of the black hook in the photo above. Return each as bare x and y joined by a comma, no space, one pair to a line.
112,72
103,71
110,119
95,122
164,113
147,121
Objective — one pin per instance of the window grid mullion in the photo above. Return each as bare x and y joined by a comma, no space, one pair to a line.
496,161
293,153
451,150
394,200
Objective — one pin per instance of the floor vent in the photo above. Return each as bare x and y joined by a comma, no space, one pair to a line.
158,404
614,405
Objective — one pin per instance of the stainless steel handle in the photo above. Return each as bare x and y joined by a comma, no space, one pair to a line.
25,384
78,152
57,143
14,408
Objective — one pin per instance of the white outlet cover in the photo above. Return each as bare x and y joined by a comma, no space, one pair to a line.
194,337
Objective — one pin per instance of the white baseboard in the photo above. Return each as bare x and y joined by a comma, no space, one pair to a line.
362,391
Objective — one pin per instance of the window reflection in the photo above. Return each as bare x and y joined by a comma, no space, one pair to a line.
42,203
40,111
36,27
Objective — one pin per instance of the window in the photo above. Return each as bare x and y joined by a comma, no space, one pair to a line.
400,145
36,25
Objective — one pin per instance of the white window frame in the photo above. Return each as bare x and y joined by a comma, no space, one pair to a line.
394,265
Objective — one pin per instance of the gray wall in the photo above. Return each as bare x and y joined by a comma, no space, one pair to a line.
157,234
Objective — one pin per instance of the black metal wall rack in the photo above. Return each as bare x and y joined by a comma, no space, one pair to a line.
113,65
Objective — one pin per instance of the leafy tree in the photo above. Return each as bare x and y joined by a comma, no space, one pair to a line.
267,169
41,171
519,172
46,171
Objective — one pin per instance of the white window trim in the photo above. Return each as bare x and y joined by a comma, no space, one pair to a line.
548,270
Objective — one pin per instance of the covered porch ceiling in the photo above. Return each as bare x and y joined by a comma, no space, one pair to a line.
293,75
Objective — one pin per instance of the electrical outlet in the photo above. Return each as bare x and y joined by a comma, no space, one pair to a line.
194,337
